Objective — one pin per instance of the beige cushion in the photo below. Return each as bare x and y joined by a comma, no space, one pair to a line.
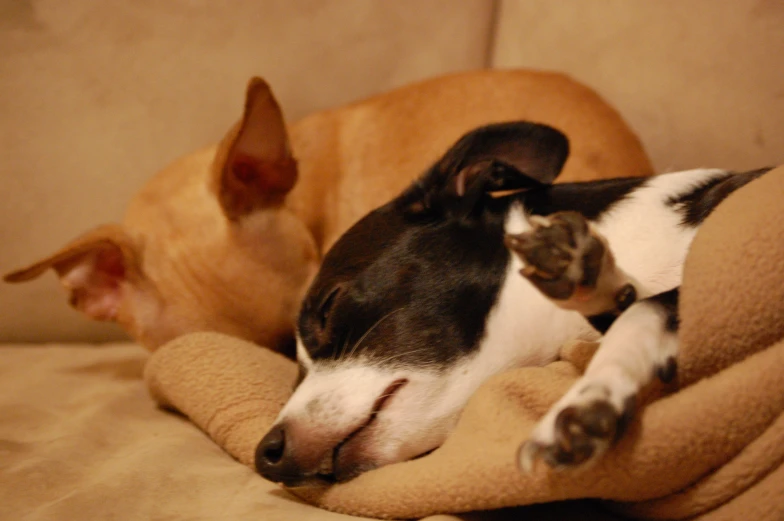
82,439
97,96
701,82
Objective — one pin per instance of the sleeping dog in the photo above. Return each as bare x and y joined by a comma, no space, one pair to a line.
480,266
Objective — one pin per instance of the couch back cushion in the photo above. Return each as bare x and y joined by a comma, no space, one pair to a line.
701,82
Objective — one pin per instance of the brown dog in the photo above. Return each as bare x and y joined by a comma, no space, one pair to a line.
226,239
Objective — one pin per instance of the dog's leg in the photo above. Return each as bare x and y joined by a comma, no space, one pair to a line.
640,346
572,264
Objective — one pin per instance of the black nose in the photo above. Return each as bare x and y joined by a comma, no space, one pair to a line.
271,447
274,462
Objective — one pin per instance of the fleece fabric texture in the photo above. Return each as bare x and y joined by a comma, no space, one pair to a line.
712,450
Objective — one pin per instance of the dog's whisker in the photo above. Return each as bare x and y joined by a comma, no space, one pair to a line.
405,353
342,350
379,321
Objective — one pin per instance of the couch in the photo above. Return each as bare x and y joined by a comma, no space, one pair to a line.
98,96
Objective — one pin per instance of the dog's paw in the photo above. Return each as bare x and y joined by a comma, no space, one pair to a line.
560,254
578,429
569,262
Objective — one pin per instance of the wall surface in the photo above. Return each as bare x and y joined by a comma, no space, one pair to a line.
701,81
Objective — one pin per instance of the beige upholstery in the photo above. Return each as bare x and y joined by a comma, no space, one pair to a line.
700,81
134,462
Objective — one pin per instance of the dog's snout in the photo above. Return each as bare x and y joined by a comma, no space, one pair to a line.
271,448
274,459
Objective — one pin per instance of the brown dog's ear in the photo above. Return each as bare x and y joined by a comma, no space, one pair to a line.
93,268
254,166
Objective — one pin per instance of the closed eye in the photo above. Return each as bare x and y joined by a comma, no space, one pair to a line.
326,307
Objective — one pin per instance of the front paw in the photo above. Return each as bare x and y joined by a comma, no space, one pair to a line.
566,259
577,432
559,254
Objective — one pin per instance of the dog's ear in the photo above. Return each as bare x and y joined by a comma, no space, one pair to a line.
494,158
254,167
95,268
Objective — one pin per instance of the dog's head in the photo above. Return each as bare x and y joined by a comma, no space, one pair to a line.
390,328
204,246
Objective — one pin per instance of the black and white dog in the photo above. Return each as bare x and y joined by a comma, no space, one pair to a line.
422,301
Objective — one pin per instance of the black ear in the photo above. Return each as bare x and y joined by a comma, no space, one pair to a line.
537,152
505,156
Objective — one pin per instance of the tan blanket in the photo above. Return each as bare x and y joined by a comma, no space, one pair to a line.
714,449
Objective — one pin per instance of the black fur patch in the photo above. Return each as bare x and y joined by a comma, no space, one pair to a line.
668,301
667,372
623,300
696,204
415,293
591,199
602,322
